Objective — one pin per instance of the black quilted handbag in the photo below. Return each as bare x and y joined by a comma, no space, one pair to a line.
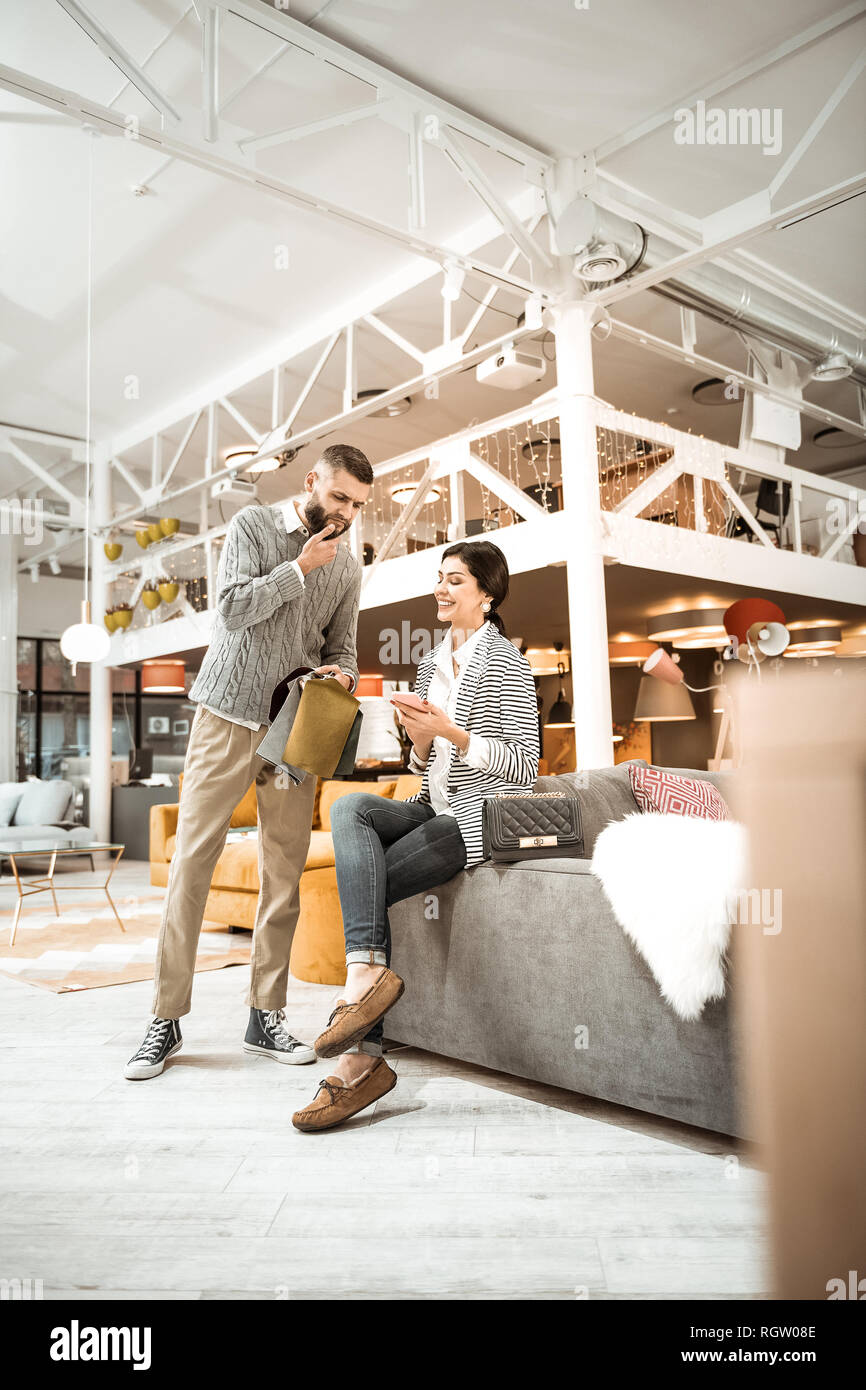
539,825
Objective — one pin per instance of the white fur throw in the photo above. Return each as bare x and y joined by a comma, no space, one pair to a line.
668,880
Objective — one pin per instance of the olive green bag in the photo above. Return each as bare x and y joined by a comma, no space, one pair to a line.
315,730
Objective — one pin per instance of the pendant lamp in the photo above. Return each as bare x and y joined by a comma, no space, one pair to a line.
84,641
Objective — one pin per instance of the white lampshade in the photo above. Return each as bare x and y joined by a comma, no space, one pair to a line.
85,641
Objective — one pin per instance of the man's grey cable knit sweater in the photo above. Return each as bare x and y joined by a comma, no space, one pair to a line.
268,621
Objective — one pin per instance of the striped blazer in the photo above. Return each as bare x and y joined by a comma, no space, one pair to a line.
497,700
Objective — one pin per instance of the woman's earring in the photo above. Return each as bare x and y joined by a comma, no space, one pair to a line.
485,608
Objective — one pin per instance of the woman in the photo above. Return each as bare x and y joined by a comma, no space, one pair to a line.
476,735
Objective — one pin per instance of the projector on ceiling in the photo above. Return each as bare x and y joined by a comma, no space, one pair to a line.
511,369
235,490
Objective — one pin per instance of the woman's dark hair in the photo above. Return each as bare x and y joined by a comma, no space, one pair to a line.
489,568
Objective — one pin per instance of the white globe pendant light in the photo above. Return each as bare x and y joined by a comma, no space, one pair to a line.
85,641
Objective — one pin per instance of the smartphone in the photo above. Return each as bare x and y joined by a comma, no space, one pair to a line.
408,699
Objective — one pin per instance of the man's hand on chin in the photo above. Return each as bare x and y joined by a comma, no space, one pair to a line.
345,681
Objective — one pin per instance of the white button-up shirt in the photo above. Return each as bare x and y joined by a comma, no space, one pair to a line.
443,691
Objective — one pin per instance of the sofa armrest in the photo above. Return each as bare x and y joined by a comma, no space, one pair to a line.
163,824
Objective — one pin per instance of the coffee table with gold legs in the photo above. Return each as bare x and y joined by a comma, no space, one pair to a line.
53,848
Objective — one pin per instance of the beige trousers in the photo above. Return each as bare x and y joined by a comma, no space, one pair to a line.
221,762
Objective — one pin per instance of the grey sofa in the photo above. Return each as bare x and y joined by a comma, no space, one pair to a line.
37,809
523,958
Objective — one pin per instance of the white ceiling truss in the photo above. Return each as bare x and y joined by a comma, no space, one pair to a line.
197,138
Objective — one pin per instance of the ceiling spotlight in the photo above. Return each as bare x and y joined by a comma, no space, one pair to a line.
34,572
544,449
54,564
834,367
598,264
713,392
239,457
389,411
270,465
834,438
403,491
452,280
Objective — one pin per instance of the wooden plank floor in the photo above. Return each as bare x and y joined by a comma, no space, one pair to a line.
462,1183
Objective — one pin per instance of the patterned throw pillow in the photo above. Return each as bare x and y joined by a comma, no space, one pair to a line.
669,794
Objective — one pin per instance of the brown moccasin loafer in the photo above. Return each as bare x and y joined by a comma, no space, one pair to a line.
336,1101
351,1022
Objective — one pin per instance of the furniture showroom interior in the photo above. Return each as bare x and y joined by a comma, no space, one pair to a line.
433,663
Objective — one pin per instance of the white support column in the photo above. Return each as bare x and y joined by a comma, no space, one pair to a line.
8,655
587,610
99,816
457,498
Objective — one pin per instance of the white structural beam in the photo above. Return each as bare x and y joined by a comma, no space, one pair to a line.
210,59
409,275
405,519
63,540
473,175
327,50
179,452
300,132
640,337
749,219
650,488
108,45
396,338
417,196
72,442
310,382
721,561
617,195
129,477
587,605
249,430
48,479
746,513
817,125
504,489
226,165
347,418
732,78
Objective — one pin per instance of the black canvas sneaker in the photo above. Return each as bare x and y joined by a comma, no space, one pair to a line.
267,1035
161,1041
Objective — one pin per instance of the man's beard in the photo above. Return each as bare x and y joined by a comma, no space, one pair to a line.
318,519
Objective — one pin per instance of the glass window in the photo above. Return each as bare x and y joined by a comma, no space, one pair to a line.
166,721
64,734
57,671
27,654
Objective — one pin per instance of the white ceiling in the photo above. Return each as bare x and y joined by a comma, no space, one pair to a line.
185,281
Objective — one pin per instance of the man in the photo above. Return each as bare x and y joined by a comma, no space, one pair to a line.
287,596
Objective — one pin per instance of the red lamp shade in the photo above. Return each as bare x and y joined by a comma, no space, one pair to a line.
163,677
747,611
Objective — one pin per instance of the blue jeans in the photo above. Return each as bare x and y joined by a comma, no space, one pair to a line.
385,851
